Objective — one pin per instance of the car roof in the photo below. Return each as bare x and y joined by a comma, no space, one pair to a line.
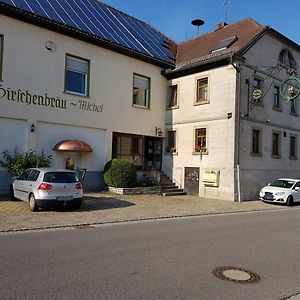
289,179
51,170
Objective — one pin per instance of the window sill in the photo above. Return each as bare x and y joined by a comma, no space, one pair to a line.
294,114
277,109
201,102
172,107
276,156
293,158
200,153
140,107
256,154
76,94
171,153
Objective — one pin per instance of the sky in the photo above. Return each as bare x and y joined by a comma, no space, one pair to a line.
173,17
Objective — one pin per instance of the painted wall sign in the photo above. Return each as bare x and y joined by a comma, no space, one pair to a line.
28,98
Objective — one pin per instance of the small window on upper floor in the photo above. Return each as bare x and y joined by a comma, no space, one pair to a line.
276,99
141,91
293,147
77,76
287,59
276,144
256,142
294,107
202,90
172,96
1,54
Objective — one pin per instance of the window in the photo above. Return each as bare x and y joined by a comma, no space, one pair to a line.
200,140
33,176
293,107
276,102
171,141
76,77
1,54
141,91
135,146
293,146
287,59
202,90
172,95
275,144
257,83
255,141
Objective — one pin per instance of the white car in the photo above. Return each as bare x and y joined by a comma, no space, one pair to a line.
45,187
283,190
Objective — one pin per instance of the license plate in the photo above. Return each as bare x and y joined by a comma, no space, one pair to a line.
267,197
64,198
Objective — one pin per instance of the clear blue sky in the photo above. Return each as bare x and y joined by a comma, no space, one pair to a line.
173,17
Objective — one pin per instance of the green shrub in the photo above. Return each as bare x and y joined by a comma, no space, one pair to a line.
17,162
120,173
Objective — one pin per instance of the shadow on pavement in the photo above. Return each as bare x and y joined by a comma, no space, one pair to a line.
91,203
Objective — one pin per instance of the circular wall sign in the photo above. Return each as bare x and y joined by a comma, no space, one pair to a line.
257,94
50,46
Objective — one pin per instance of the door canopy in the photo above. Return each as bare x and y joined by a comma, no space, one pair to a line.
73,145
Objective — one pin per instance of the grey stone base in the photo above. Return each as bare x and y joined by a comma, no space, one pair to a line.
136,190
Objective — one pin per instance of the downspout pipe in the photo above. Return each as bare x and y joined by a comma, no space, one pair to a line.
237,129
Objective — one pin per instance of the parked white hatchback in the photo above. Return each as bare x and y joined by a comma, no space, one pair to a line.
46,187
283,190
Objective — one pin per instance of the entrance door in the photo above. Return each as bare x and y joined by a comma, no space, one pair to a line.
153,153
191,180
72,161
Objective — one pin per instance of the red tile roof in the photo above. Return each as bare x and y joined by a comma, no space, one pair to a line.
200,48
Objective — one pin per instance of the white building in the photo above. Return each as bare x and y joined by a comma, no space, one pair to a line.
87,83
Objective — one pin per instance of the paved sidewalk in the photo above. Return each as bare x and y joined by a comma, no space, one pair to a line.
101,208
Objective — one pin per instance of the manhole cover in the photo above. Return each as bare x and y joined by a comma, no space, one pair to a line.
235,274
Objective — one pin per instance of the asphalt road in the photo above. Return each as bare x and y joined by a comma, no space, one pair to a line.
166,259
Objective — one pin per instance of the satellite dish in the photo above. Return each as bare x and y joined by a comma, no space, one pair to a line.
197,23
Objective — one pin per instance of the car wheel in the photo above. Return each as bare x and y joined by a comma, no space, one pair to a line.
12,194
32,204
290,201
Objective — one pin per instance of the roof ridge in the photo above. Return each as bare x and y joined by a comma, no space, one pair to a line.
214,30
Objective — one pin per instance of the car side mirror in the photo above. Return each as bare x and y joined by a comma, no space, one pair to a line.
15,178
297,188
269,183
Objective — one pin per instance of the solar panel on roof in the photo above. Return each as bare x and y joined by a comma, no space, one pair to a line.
101,21
224,44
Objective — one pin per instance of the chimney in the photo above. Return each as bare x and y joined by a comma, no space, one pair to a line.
221,25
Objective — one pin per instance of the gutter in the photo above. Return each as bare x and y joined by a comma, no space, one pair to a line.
237,130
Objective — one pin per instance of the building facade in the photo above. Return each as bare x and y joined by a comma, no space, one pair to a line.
98,84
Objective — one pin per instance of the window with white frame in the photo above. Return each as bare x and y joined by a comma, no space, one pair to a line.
77,75
141,91
171,141
202,90
172,96
200,140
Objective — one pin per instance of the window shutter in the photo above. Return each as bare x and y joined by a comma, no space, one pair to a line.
77,65
141,82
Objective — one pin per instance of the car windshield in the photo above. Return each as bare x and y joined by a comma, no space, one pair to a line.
283,183
60,177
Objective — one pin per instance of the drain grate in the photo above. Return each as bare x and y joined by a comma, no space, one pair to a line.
234,274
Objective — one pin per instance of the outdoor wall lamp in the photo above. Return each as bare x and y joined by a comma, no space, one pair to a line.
32,128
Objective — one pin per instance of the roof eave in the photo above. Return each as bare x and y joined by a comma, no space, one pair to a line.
27,17
200,66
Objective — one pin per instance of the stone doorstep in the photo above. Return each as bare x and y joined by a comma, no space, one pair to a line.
136,190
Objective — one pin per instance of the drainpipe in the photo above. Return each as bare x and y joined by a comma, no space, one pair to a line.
237,129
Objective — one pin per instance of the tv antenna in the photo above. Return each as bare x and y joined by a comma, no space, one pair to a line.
197,23
226,4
